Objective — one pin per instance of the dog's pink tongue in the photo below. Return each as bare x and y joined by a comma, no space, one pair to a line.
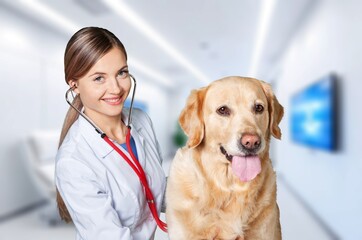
246,168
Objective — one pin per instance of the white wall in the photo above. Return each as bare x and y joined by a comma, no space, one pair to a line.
330,183
159,106
30,84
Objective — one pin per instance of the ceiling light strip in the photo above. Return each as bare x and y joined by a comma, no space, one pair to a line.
265,18
142,68
63,23
131,17
51,15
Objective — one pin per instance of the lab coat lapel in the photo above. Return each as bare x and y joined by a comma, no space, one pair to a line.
94,139
140,142
137,136
101,147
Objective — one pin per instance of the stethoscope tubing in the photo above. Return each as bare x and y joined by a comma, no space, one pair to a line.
134,164
137,168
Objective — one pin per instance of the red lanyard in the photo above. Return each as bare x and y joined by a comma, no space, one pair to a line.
135,165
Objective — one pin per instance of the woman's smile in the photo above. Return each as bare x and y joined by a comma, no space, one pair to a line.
113,101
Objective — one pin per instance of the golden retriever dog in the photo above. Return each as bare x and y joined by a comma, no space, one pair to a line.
222,184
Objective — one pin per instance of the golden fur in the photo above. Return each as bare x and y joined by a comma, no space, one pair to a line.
204,199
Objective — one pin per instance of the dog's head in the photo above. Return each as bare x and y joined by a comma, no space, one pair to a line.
234,115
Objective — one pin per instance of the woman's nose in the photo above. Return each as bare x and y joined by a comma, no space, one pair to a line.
114,87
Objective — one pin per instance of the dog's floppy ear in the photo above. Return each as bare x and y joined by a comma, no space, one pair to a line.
276,111
191,119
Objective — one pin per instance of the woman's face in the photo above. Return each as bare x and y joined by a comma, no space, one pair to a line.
105,87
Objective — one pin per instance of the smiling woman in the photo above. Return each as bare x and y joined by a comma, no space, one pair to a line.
103,89
104,198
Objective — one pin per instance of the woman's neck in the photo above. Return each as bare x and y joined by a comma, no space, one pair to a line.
113,127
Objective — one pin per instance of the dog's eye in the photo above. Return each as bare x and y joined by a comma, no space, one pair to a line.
223,111
259,108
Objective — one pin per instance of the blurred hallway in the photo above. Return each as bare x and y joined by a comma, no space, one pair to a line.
174,47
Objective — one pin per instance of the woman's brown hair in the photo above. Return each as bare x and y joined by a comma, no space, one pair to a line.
83,50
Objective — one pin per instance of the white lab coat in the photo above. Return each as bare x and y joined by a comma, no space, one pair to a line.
102,193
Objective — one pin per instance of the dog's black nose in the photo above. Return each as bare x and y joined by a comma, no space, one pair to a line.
250,141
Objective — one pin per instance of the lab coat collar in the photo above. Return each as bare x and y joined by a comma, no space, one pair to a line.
100,147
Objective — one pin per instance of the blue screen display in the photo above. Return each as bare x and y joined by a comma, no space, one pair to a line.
313,115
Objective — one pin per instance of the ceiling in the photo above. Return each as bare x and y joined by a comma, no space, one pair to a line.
184,42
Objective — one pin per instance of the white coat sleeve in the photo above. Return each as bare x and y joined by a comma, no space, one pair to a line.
88,202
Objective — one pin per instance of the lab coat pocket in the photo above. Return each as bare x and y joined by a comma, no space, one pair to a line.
127,209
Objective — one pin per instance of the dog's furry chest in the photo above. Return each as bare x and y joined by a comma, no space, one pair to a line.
215,204
228,210
228,204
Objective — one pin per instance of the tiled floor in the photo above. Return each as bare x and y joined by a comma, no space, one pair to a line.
296,223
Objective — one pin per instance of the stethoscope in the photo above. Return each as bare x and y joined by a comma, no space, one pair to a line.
134,163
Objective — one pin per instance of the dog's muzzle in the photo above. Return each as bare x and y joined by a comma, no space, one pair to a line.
223,151
246,152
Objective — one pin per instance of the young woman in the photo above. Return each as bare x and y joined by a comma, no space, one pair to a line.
97,189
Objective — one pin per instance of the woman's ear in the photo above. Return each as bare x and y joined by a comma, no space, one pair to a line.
191,120
276,111
74,85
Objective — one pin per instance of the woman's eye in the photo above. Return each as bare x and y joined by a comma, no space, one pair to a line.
98,79
223,111
259,108
123,73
